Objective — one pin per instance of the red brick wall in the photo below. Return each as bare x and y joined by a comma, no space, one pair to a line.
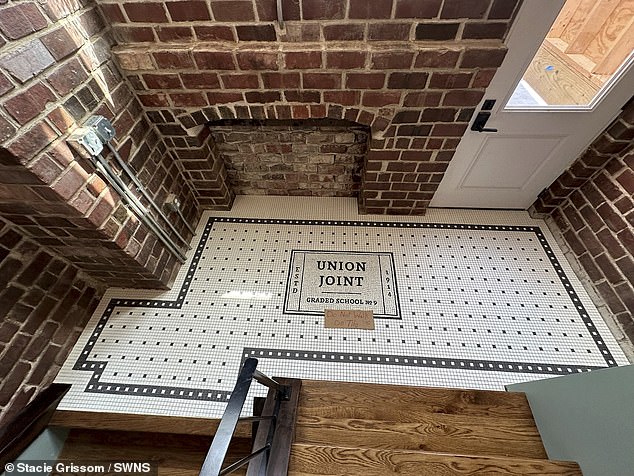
321,158
411,70
55,71
591,203
44,303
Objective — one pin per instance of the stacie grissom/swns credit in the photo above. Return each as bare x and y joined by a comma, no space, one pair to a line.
81,468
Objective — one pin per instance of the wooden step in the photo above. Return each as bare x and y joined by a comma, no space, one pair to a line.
328,460
407,404
176,454
456,434
150,423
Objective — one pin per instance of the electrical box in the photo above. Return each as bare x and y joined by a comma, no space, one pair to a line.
102,127
86,142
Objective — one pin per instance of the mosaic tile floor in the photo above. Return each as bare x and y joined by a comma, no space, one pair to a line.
472,299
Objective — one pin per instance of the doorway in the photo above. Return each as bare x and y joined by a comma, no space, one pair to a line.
525,147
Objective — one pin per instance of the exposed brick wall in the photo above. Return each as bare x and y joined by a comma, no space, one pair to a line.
322,158
44,303
591,203
411,70
55,71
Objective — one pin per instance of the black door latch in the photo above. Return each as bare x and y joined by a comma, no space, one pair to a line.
480,121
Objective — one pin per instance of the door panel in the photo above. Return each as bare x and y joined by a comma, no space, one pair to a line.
533,145
497,156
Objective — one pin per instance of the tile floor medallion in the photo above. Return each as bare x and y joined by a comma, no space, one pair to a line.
471,299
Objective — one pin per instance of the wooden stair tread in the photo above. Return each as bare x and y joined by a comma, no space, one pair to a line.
455,434
148,423
400,403
328,460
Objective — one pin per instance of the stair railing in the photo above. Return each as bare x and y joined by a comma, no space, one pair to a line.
20,431
275,429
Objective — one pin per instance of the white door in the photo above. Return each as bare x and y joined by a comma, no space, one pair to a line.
532,145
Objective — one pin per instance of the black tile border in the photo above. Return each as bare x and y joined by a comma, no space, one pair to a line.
97,367
417,361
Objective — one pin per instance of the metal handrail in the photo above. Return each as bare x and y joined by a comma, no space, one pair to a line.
20,430
220,444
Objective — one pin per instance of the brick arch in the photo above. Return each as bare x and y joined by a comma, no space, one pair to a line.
378,123
205,170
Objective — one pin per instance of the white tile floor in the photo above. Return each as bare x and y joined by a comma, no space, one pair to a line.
475,299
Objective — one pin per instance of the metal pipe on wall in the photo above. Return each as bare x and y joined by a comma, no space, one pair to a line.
88,141
172,203
137,207
280,14
130,173
180,214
